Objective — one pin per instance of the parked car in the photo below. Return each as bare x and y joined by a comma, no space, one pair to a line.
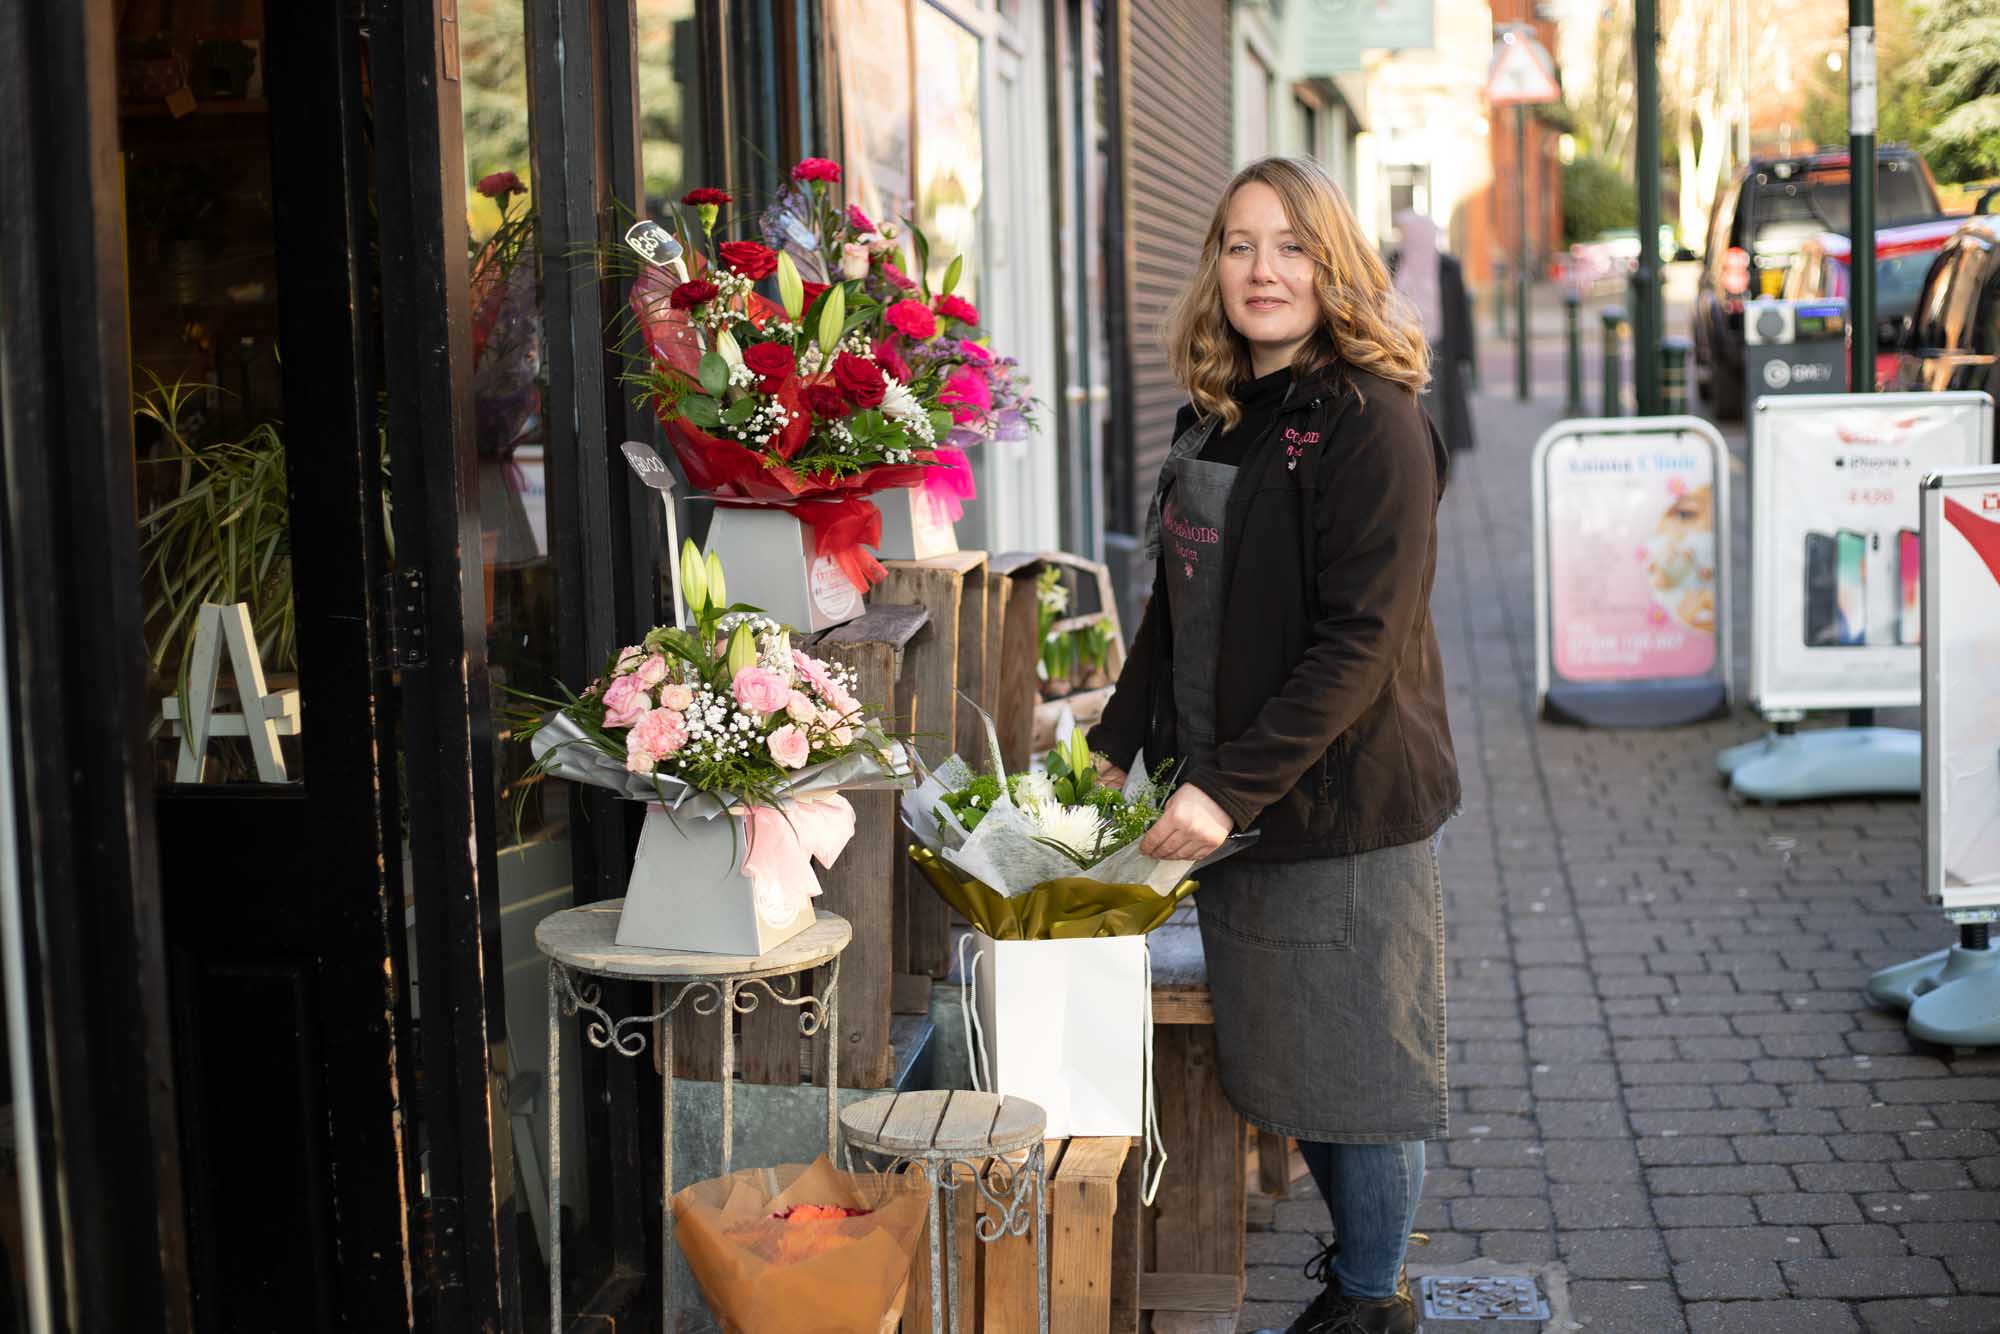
1903,255
1757,225
1953,340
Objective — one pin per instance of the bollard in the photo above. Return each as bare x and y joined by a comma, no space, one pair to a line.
1674,375
1614,326
1573,402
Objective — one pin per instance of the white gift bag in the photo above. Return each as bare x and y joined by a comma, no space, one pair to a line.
690,890
1063,1024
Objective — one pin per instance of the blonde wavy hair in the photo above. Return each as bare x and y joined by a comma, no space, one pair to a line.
1364,321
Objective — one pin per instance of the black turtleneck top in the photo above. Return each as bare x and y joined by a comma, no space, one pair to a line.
1260,400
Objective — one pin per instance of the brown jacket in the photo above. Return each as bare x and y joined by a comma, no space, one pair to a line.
1331,730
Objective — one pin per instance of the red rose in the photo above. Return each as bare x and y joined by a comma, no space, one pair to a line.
773,362
957,308
706,194
826,401
813,290
817,169
912,319
860,379
748,258
692,293
501,183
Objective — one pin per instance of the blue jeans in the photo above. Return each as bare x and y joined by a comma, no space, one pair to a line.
1371,1190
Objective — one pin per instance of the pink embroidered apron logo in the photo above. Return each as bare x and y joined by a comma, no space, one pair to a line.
1192,538
1295,445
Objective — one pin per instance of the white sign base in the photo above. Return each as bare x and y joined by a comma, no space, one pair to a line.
1827,762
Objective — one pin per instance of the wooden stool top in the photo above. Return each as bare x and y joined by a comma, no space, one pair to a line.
584,939
952,1123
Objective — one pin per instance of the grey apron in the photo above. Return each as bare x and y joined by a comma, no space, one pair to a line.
1192,542
1327,976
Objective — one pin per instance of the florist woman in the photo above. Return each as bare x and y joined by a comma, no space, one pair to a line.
1288,661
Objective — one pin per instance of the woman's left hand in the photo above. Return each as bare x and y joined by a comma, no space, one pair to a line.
1191,827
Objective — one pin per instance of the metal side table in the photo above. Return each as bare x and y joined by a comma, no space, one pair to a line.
579,943
942,1129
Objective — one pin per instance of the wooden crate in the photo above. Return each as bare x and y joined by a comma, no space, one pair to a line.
949,655
997,1279
1185,1253
1012,652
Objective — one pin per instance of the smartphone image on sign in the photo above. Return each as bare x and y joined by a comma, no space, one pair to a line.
1822,626
1909,569
1851,590
1885,608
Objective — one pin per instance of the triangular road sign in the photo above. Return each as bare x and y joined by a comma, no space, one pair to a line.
1522,73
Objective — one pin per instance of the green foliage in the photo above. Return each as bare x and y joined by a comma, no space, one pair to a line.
224,537
1959,61
1596,197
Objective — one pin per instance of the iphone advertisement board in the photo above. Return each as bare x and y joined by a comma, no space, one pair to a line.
1961,674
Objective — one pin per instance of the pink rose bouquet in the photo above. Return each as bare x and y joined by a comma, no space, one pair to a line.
726,708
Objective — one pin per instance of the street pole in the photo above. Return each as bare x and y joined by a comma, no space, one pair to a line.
1646,169
1861,157
1521,261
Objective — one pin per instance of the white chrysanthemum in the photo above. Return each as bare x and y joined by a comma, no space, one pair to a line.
1034,790
1075,829
899,403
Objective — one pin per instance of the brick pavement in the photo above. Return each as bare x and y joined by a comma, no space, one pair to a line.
1668,1095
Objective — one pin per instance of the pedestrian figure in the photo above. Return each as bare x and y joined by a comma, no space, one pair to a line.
1287,661
1434,282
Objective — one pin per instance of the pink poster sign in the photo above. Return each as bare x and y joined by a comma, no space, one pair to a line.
1632,549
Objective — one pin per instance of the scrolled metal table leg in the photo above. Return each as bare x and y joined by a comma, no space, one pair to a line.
1041,1238
951,1241
937,1276
833,1060
727,1012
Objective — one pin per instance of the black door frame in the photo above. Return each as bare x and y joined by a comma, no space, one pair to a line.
86,860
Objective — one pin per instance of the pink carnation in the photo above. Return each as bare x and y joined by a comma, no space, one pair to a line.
858,220
626,701
676,696
912,319
760,691
789,747
976,353
898,277
815,673
957,308
817,169
657,735
968,395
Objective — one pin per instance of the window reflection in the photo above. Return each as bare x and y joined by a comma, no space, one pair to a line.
671,129
509,383
950,163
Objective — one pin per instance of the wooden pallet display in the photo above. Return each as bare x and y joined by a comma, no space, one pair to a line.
997,1279
948,656
1012,652
1086,706
1185,1253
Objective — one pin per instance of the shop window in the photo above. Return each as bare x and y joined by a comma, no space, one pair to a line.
673,120
950,161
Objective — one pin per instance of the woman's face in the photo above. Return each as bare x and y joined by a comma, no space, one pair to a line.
1269,289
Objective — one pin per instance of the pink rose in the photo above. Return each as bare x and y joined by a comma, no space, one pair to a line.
789,747
815,674
677,697
652,671
629,659
760,691
801,709
638,761
842,736
853,260
659,734
626,701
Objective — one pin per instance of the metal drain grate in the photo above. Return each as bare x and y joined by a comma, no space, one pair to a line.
1465,1297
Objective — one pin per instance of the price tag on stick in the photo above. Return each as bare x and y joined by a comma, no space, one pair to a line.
654,472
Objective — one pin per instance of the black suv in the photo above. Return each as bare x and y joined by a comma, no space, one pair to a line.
1759,221
1953,339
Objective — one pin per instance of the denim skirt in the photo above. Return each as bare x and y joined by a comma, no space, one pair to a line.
1327,978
